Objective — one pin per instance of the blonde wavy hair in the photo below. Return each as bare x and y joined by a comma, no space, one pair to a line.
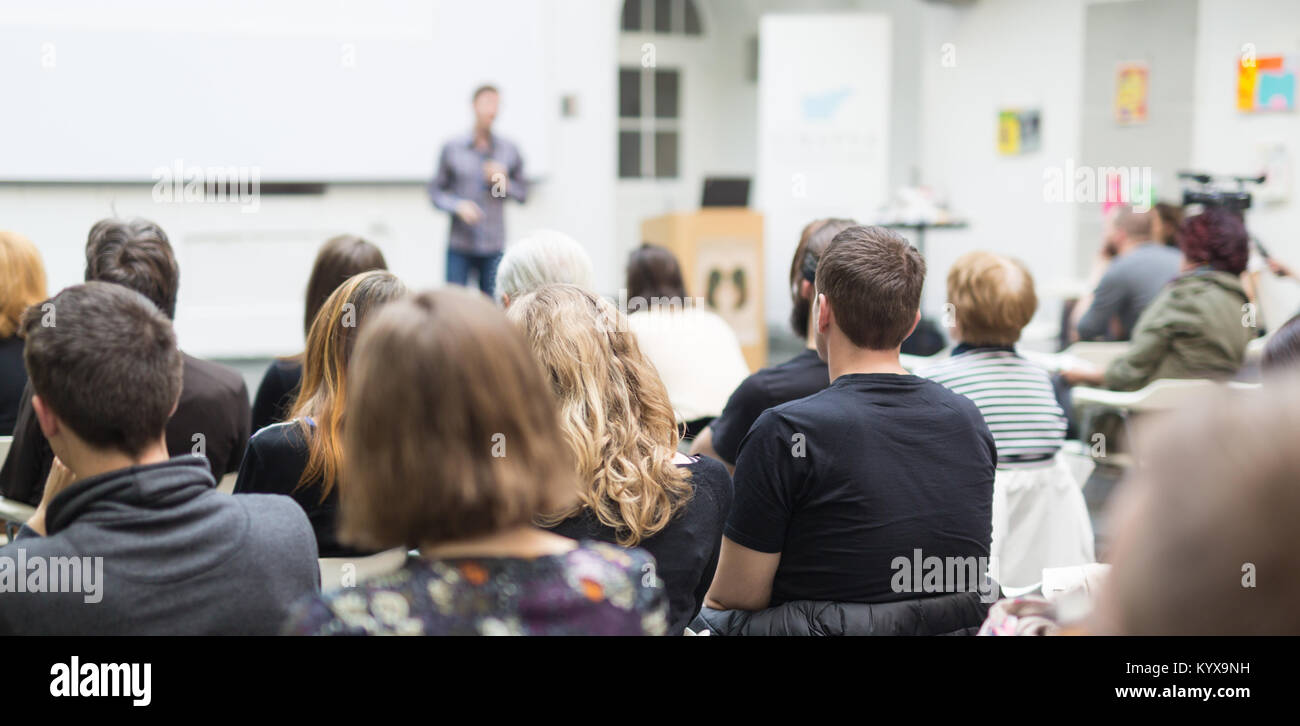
614,411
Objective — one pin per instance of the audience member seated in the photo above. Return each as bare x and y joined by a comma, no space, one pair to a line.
542,258
634,488
1040,519
1282,352
1166,224
803,375
23,276
843,495
1193,329
212,417
454,447
339,258
694,350
159,549
1206,541
303,458
1130,271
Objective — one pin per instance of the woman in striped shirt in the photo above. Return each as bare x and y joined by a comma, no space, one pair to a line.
1039,516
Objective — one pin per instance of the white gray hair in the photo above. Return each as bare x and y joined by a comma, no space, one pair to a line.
543,257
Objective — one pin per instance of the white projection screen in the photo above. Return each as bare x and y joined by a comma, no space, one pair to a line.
302,90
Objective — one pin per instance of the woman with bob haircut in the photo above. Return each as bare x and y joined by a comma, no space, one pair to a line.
303,458
633,487
339,258
1040,519
22,284
454,449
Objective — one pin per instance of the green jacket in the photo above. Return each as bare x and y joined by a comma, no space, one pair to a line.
1195,328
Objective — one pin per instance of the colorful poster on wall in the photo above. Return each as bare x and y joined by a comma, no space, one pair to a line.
1131,93
1266,83
1019,131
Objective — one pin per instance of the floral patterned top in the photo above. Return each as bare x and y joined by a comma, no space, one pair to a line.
594,589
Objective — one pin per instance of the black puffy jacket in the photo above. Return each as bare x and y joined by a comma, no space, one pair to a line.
958,613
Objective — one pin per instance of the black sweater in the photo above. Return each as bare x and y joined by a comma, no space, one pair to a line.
273,464
686,551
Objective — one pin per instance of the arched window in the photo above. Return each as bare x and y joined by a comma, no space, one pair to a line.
649,95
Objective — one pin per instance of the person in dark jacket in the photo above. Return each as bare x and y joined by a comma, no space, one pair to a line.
132,542
211,418
303,457
876,490
339,258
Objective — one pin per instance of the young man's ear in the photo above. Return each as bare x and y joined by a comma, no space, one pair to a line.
915,321
823,313
49,422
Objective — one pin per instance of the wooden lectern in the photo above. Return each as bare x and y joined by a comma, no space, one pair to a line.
721,253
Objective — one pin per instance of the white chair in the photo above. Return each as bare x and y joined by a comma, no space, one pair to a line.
1160,395
1255,349
1040,521
5,443
1099,354
337,572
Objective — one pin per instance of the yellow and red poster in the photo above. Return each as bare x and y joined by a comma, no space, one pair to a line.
1131,93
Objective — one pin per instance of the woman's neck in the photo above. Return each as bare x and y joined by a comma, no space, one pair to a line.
525,542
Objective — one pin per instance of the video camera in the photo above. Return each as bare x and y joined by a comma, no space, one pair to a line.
1208,194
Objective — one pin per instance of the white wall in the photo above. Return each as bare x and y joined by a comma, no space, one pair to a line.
1227,141
1009,54
243,275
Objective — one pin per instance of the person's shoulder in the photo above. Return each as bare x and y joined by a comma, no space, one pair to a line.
284,436
275,521
602,559
206,379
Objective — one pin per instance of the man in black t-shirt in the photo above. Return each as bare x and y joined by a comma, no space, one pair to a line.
802,375
876,489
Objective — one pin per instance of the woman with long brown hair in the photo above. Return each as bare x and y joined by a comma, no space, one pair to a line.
634,488
454,449
303,457
22,284
339,258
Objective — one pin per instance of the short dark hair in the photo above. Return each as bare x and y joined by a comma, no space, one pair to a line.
653,271
339,258
485,88
104,359
872,278
813,241
1216,237
134,253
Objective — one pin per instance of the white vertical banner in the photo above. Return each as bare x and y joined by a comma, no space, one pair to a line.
823,129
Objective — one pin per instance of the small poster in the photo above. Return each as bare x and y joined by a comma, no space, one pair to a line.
1019,131
1131,94
1266,83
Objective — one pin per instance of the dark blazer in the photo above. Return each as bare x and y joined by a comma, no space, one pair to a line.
214,403
276,393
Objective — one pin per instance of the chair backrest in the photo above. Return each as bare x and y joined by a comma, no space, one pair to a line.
336,572
1099,354
5,443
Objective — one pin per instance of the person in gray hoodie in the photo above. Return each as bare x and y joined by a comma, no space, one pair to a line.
125,540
